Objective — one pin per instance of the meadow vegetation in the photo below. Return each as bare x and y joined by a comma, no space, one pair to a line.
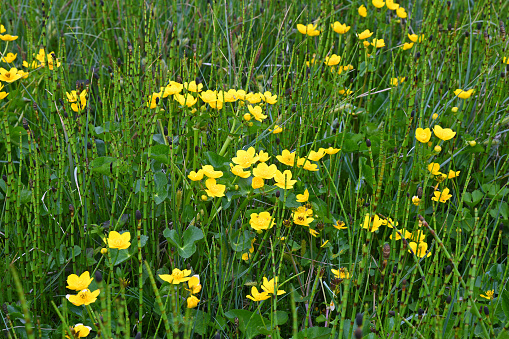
241,169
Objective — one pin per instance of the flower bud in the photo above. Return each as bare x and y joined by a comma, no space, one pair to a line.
98,276
358,319
368,142
138,215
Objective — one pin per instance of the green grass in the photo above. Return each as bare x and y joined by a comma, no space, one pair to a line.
71,175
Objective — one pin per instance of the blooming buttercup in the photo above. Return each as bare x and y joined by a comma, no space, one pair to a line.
84,297
464,94
443,133
340,28
442,196
423,134
117,240
79,283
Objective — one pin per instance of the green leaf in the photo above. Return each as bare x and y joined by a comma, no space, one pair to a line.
160,153
103,165
240,242
505,303
201,321
216,160
314,332
185,247
160,189
251,324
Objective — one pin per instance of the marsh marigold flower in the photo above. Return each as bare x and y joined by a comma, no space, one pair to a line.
84,297
372,223
363,12
340,225
415,200
391,5
196,176
490,294
453,174
365,34
80,331
401,12
316,156
309,29
269,98
284,179
333,60
269,286
192,301
378,3
194,284
209,172
277,129
342,273
246,158
286,158
340,28
176,277
79,283
443,133
464,94
193,86
442,196
434,168
423,134
407,45
186,99
265,171
214,189
419,249
117,240
8,37
258,296
257,182
9,57
261,221
331,150
397,81
256,112
9,75
302,216
239,171
303,197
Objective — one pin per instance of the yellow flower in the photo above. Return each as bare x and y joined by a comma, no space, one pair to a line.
171,89
407,45
79,283
8,37
505,60
443,133
345,92
104,250
270,286
452,174
192,301
9,76
404,233
253,98
269,98
265,171
209,96
423,135
42,56
229,96
363,12
442,196
392,5
378,3
302,216
261,221
340,28
333,60
303,197
185,100
239,171
397,81
490,294
286,158
154,100
209,172
194,284
84,297
214,189
308,166
192,86
196,176
2,94
10,57
342,273
434,168
372,223
313,232
325,243
263,156
472,143
246,256
247,116
117,240
256,112
378,43
277,129
366,44
464,94
331,150
414,37
257,183
2,29
80,331
23,74
34,64
176,277
309,29
284,179
415,200
246,158
401,12
454,109
316,156
257,296
340,225
419,249
364,35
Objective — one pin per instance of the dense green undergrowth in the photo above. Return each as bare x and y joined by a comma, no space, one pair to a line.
254,168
